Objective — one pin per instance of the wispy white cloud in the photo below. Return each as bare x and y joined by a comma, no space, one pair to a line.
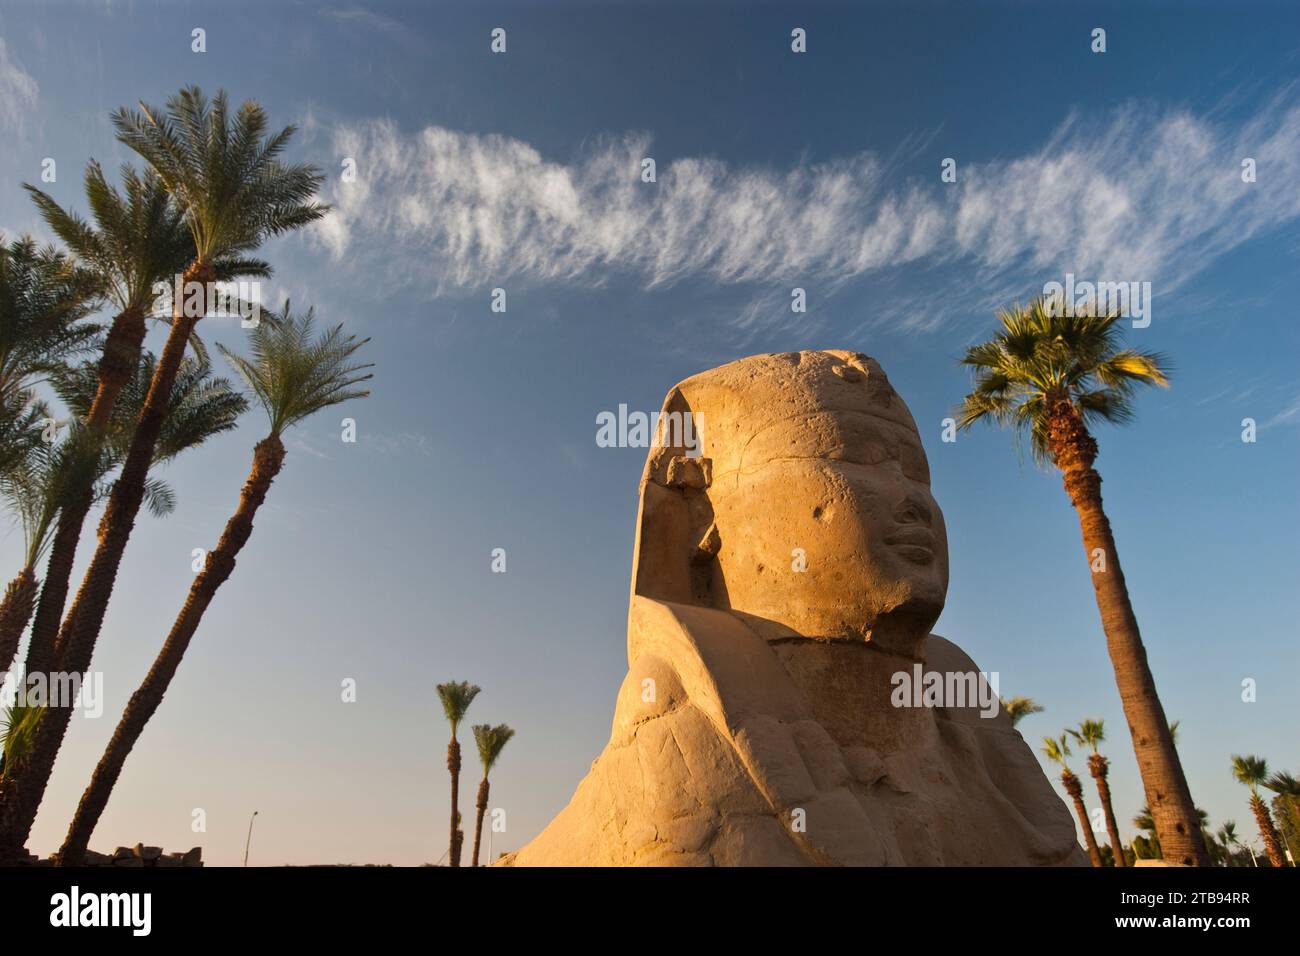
1141,195
1287,416
360,16
18,92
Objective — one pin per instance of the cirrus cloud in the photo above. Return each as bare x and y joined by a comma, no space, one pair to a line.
1141,194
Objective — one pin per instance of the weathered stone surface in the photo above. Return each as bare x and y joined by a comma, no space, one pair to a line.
785,571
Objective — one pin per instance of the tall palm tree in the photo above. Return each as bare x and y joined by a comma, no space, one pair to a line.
1057,750
1228,839
227,177
1092,733
456,698
1253,771
1018,708
292,373
1052,375
491,741
139,237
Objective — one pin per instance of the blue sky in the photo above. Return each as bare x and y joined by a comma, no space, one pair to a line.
478,171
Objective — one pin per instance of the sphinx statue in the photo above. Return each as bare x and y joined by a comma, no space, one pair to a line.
789,564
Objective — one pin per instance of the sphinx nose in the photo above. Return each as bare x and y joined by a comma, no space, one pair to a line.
913,510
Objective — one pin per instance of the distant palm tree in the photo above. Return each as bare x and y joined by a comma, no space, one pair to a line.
456,698
1253,772
226,176
1057,750
1228,839
139,237
1052,375
1018,708
491,741
1091,733
293,373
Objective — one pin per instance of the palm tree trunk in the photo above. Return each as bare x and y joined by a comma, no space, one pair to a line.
1099,766
268,459
1163,781
453,766
1075,789
481,807
21,792
122,349
1266,830
15,612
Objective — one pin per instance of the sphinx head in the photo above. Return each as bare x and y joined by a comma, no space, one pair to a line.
798,499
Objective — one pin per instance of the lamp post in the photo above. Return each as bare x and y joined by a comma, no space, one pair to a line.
250,836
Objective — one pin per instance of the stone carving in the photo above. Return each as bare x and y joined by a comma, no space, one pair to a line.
789,565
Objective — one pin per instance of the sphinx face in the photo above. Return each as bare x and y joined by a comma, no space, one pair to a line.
828,528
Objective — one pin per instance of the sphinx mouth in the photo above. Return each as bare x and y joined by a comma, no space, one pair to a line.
915,544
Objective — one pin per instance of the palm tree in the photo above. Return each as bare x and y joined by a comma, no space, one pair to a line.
1052,376
293,373
1092,733
1057,750
1253,772
491,741
234,191
1018,708
1228,839
43,298
139,238
456,698
35,490
1287,787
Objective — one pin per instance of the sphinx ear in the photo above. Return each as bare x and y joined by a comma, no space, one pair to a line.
676,540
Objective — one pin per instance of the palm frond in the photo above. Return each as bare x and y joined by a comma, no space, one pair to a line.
1249,770
294,372
18,733
491,741
1017,708
1057,749
1090,733
1039,356
456,696
224,171
44,296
